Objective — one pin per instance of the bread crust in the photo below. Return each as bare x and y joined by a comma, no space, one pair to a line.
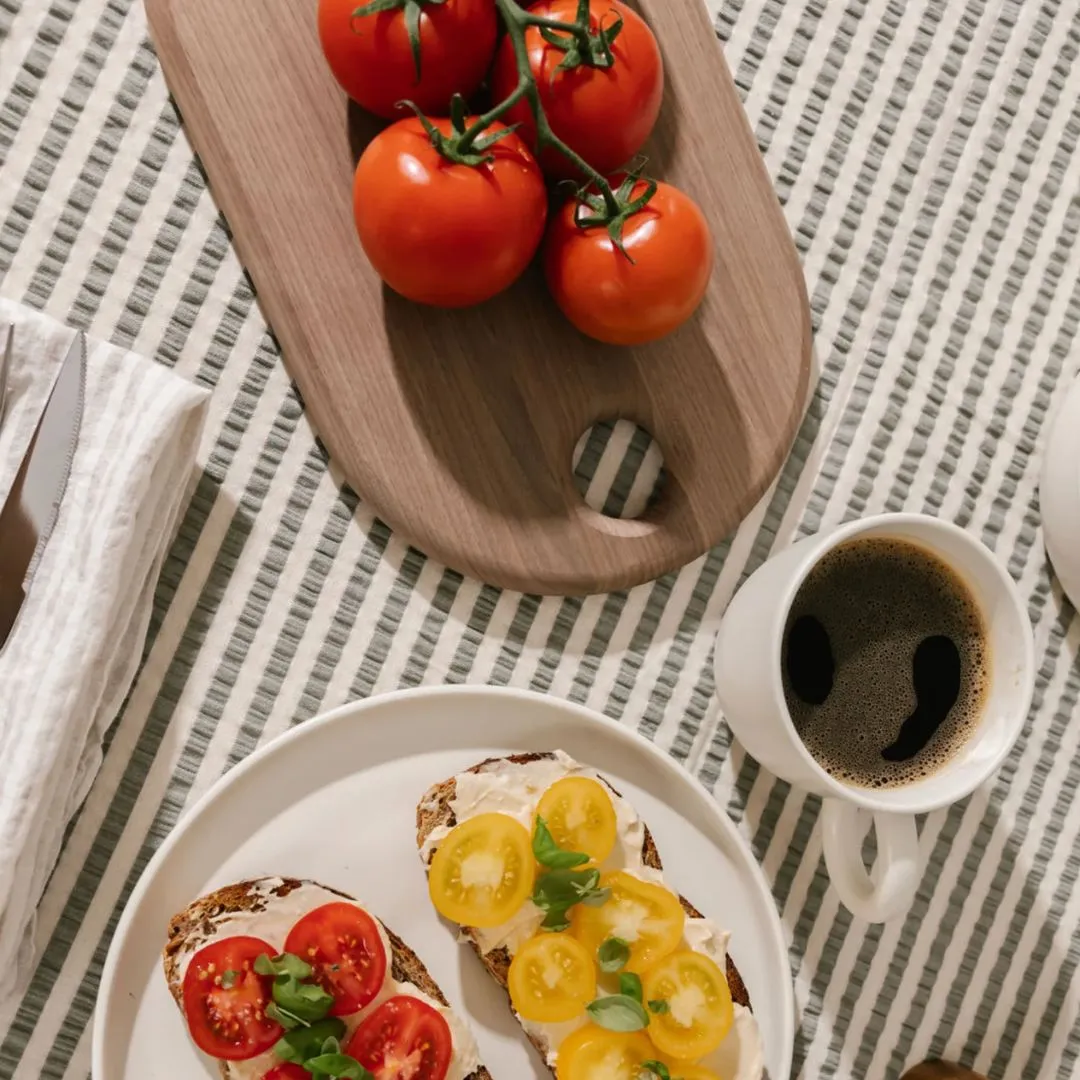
195,925
434,810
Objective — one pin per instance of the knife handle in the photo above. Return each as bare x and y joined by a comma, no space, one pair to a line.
11,601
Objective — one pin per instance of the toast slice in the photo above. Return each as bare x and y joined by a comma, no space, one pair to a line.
435,811
202,920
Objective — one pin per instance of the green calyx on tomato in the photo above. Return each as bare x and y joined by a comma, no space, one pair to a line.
601,215
469,143
412,10
582,47
464,145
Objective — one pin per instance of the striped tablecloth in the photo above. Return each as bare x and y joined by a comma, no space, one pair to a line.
925,154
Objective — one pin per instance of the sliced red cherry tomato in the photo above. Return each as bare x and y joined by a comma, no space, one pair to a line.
404,1039
341,942
287,1071
225,1000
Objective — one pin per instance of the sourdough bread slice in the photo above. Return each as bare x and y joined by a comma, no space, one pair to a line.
193,927
435,810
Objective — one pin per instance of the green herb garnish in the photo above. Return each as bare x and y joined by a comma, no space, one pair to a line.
618,1012
655,1069
630,985
228,979
659,1007
339,1066
285,964
558,891
613,955
289,1021
296,1004
308,1001
304,1042
548,853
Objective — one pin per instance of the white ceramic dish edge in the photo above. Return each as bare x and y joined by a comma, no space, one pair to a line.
356,710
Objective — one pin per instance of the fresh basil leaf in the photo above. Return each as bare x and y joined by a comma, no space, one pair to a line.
304,1042
557,891
285,964
340,1066
286,1019
651,1069
630,985
613,955
555,921
597,898
308,1001
548,853
659,1007
563,888
228,979
618,1012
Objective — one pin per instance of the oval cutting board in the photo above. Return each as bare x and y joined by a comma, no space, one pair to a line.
459,427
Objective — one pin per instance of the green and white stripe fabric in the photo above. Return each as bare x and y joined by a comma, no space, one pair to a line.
924,151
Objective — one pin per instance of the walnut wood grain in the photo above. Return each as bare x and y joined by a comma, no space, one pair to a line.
459,427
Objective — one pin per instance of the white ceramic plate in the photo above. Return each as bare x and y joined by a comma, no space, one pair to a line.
335,800
1060,495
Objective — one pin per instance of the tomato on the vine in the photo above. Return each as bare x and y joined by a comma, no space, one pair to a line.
605,114
373,59
444,233
623,302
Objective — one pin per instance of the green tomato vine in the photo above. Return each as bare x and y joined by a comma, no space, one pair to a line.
470,144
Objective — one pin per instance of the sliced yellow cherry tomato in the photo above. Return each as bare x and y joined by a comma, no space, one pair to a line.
483,871
552,979
592,1053
699,1010
648,917
579,813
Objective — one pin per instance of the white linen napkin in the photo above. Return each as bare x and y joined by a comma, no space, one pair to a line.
73,654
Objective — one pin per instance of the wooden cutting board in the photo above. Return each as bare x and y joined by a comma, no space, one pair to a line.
459,428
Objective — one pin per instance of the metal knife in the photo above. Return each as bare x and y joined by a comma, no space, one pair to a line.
32,507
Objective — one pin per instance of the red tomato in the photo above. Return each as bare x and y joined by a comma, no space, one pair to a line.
372,58
287,1071
226,1013
604,114
404,1039
622,303
341,942
442,233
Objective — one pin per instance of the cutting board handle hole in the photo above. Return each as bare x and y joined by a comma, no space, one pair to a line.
619,469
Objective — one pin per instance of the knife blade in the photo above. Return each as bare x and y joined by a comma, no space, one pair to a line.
33,505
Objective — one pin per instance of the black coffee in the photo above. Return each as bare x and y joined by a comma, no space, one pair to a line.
886,663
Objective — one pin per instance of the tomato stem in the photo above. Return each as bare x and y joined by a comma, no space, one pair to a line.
516,21
469,145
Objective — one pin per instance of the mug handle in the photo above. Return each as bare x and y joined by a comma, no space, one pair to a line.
889,889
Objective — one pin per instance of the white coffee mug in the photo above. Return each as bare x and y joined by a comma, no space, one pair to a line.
749,684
